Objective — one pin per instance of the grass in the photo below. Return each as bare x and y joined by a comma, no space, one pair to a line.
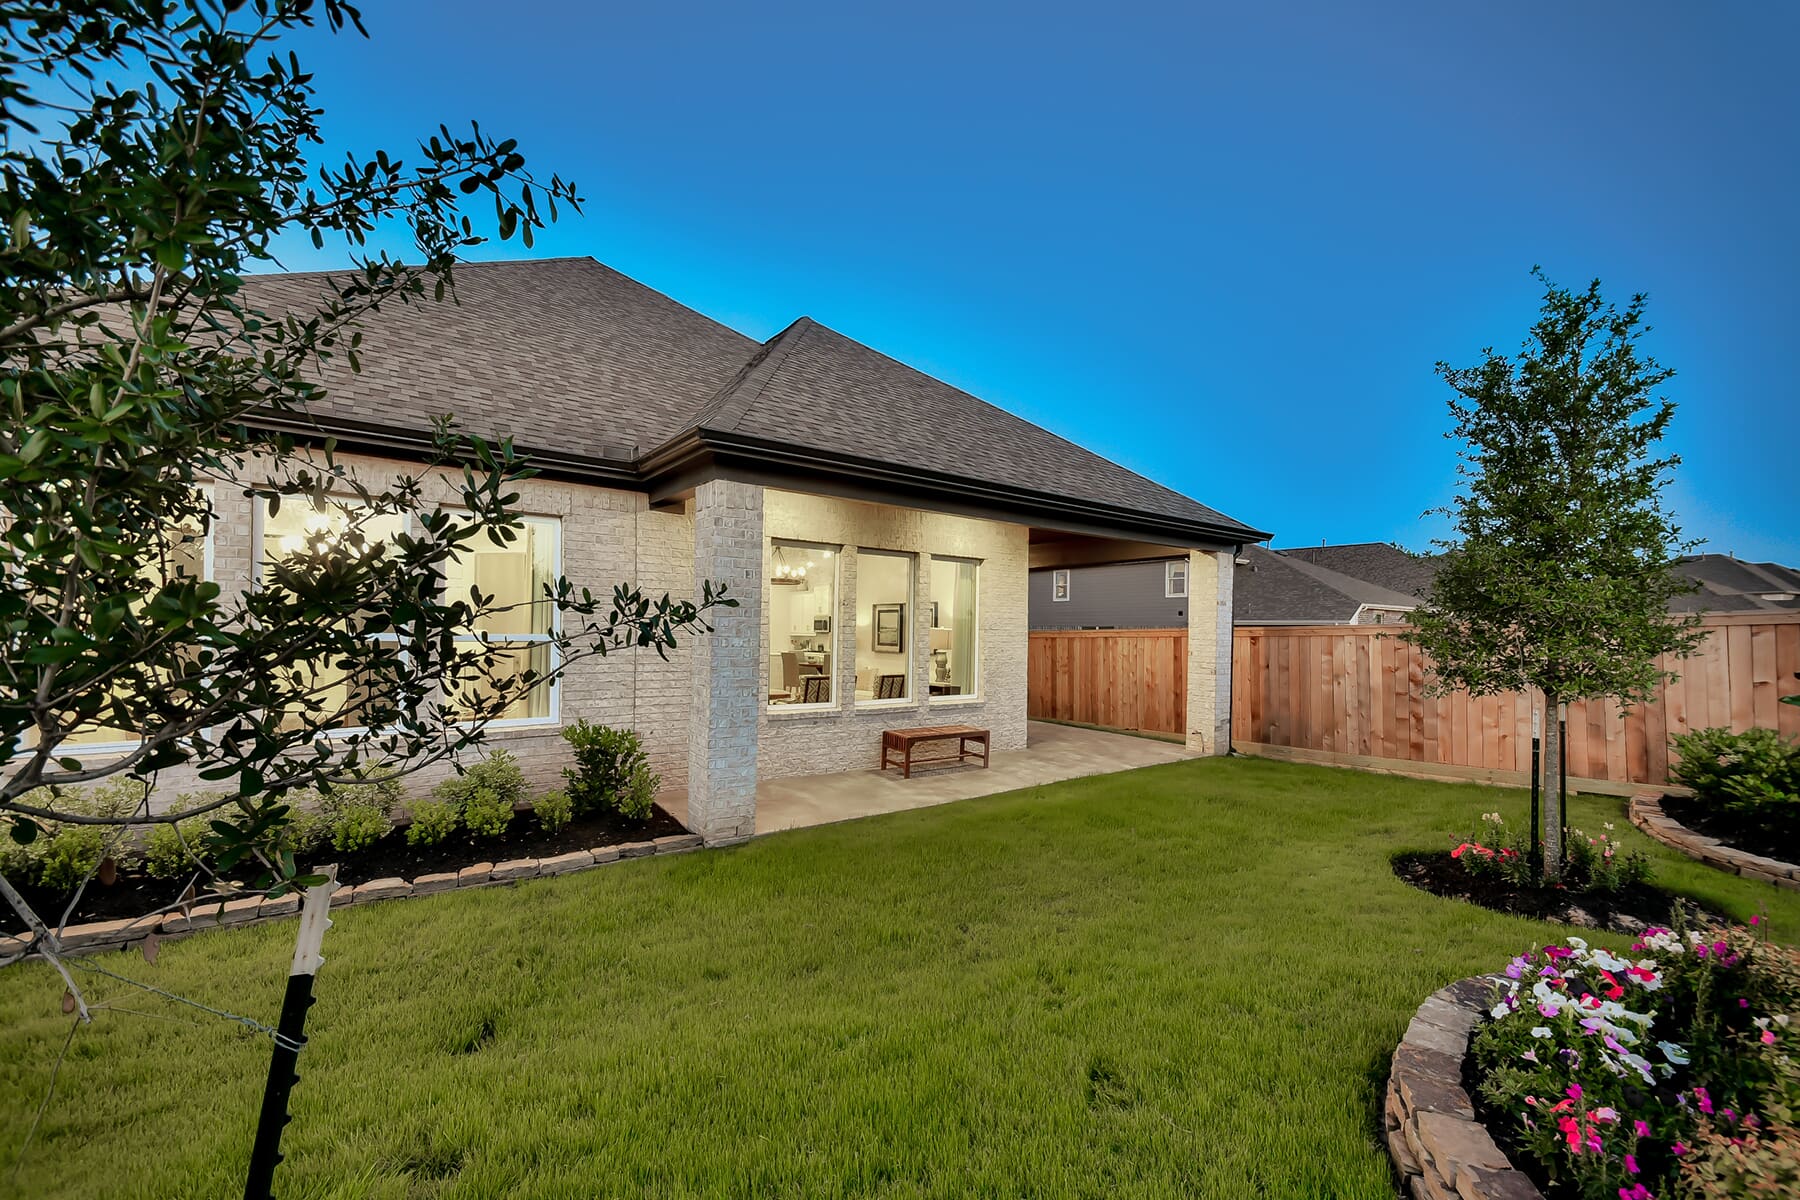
1184,980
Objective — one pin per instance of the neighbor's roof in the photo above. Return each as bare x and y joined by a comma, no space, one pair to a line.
1274,587
574,360
1375,562
1728,584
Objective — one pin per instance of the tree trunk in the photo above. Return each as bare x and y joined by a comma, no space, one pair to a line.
1553,801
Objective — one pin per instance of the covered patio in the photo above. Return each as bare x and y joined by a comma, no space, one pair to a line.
1053,753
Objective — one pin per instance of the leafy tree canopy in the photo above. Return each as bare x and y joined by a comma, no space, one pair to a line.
1557,578
153,153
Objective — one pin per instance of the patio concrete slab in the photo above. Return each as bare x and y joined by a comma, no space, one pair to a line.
1053,753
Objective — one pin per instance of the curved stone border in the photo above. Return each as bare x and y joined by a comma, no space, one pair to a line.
203,914
1440,1150
1647,814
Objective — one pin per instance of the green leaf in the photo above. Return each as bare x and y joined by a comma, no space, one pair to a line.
23,830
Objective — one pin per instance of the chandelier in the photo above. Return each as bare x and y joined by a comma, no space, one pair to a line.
780,571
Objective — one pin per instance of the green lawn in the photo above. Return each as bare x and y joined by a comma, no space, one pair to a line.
1179,981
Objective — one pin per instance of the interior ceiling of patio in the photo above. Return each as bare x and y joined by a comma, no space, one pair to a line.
1060,548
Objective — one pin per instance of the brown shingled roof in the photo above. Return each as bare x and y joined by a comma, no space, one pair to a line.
570,358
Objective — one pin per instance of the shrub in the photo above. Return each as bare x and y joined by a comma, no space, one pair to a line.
64,854
611,770
357,826
638,798
432,822
486,813
1621,1074
554,810
356,816
1752,778
175,849
485,794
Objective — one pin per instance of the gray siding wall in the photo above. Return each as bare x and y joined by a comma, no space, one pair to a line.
1123,595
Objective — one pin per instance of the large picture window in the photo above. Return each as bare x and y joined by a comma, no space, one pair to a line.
884,612
299,526
802,623
953,663
521,620
185,554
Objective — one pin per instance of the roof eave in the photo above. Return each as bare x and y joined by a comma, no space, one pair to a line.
675,466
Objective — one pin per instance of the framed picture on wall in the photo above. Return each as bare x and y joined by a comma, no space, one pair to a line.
890,627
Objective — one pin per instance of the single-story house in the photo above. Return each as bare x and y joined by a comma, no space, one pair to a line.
1269,587
876,525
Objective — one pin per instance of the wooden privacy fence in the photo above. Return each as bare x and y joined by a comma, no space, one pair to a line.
1355,695
1120,678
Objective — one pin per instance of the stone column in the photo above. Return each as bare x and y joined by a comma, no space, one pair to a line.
1209,651
727,677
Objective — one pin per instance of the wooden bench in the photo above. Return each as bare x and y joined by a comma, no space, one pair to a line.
902,741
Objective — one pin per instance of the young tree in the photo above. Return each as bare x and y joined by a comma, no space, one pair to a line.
152,154
1557,579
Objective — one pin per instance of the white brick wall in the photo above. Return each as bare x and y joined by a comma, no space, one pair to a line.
710,730
608,537
726,681
848,737
1209,651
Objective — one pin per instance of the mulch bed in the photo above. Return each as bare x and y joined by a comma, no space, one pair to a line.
1629,910
133,894
1702,818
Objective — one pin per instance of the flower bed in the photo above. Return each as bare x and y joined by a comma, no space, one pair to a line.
1599,886
1650,813
134,891
1667,1070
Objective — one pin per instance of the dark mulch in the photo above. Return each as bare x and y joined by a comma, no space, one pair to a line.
132,893
1702,817
1628,910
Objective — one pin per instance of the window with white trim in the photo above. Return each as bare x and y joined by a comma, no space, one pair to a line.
884,620
520,620
1175,579
955,645
299,525
801,632
1059,584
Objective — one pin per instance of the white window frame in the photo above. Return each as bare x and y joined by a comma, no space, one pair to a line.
1172,568
835,704
1060,585
556,569
973,695
110,749
909,609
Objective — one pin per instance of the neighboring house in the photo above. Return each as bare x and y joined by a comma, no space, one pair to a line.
875,524
1380,563
1726,584
1273,587
1269,587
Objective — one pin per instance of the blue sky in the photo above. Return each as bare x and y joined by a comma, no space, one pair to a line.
1221,245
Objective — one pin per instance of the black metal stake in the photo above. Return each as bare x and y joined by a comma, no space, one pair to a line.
1537,849
1562,783
290,1036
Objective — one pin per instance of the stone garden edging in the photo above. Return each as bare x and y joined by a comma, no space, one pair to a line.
1440,1150
1646,812
204,914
